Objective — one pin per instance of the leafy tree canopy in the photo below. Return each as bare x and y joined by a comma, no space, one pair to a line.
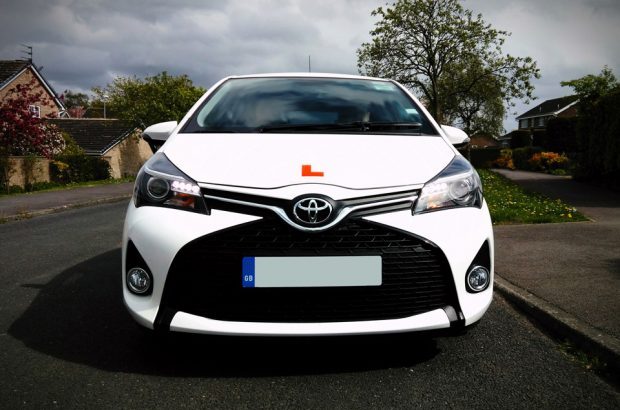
591,87
75,99
159,98
452,58
21,132
77,103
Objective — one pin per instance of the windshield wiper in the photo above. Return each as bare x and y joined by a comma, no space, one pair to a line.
307,127
375,126
361,126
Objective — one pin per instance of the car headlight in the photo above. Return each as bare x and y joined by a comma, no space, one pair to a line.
458,185
160,183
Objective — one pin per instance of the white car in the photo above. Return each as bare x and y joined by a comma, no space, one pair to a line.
307,204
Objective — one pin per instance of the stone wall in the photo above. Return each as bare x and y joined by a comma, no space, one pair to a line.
127,157
21,174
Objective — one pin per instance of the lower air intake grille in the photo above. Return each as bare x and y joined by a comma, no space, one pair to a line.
205,277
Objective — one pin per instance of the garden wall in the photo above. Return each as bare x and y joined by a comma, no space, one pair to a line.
20,174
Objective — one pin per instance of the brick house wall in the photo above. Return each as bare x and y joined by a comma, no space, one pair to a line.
570,112
48,106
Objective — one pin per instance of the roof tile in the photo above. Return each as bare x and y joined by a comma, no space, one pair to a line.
10,68
549,107
95,136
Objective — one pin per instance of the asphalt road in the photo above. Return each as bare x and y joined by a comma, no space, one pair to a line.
66,341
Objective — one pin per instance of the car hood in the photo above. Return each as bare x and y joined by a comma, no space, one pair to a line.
275,160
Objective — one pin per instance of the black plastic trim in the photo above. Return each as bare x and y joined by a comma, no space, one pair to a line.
133,258
172,299
482,258
164,318
287,205
457,319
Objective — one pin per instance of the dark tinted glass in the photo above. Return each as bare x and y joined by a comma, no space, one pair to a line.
256,104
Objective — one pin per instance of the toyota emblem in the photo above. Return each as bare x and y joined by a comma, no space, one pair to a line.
312,210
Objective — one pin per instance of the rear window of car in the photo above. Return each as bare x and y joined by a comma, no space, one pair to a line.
324,105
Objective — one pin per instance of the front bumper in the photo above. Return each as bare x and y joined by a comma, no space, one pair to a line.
160,235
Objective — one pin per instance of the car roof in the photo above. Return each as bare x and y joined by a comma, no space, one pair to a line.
309,75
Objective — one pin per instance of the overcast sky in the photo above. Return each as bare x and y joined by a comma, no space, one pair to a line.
86,43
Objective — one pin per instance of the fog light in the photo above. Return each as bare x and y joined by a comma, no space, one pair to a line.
138,281
478,278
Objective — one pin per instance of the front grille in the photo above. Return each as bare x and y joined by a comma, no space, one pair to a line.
205,277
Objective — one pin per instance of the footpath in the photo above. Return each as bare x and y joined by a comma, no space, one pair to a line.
23,206
566,275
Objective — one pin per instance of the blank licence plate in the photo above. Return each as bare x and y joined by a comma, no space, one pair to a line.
311,271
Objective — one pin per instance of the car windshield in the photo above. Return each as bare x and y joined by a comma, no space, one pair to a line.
324,105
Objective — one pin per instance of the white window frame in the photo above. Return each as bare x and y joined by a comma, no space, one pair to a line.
35,110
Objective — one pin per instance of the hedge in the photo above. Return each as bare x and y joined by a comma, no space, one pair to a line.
521,156
79,168
598,135
561,135
482,157
520,138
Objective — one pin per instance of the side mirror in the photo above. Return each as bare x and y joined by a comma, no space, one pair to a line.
157,134
456,136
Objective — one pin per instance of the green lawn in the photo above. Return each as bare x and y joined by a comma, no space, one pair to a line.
509,203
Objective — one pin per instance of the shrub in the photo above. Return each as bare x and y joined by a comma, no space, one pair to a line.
521,156
483,157
559,162
548,161
15,189
78,168
40,186
504,160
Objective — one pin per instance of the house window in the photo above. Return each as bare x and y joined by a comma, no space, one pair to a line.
523,124
540,121
35,110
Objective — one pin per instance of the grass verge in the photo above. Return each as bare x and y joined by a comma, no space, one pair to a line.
511,204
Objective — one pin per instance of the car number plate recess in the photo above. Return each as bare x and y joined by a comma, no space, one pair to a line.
310,271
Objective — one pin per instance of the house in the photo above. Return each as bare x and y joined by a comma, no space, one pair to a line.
504,140
117,141
539,116
14,72
483,141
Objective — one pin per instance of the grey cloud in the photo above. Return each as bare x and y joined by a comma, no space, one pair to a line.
84,43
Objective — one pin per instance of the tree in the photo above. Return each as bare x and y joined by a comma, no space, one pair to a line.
23,133
75,99
591,87
439,49
155,99
77,103
481,110
598,127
